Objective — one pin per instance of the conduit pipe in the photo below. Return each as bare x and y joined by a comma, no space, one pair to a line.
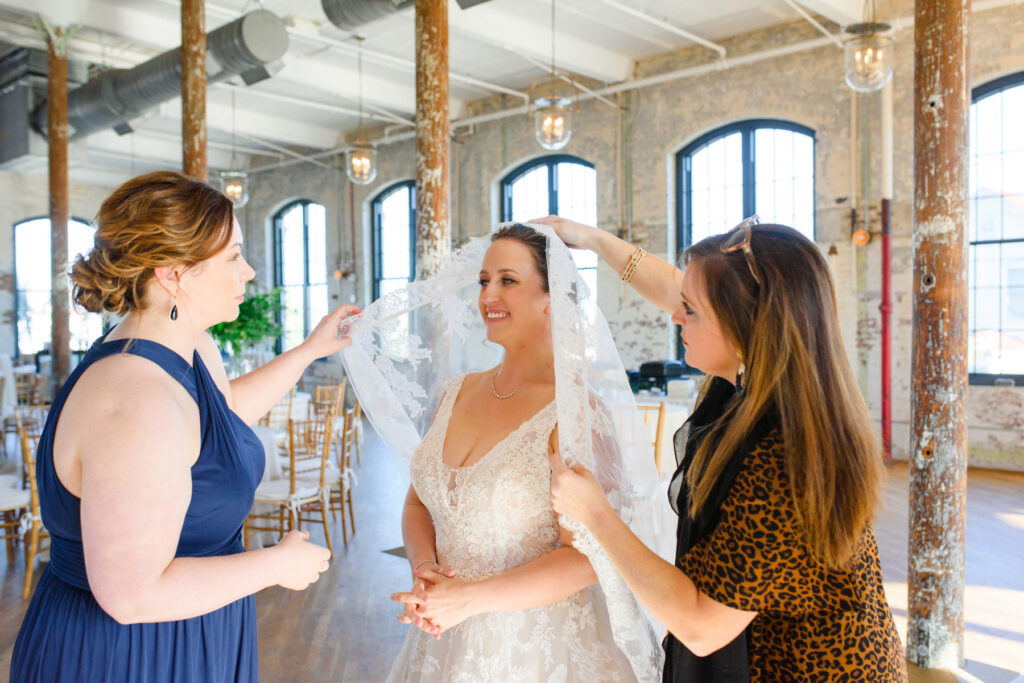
885,307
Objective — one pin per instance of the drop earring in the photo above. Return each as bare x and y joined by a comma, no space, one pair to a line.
174,309
741,388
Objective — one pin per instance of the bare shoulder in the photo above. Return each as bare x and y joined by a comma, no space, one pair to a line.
125,397
475,380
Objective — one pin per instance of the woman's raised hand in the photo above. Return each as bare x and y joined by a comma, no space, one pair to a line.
301,562
329,335
575,235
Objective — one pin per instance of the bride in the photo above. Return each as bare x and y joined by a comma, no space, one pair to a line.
500,589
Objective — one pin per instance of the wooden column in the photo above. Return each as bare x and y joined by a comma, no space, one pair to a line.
938,452
57,132
433,224
193,87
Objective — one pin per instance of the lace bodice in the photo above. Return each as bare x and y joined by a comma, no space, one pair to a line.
494,514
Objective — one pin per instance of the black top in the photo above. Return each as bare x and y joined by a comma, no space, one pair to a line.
729,664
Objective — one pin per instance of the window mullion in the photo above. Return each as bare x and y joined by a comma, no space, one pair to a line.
749,176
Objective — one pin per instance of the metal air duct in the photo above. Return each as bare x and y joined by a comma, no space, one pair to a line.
349,15
248,46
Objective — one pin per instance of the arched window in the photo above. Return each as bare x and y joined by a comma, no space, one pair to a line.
761,166
558,184
33,284
301,270
394,238
996,232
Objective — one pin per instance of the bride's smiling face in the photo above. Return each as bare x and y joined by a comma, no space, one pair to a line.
513,301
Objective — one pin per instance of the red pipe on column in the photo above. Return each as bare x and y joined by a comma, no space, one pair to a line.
886,309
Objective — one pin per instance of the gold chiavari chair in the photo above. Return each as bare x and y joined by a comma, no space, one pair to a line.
341,480
304,491
332,392
32,522
30,387
657,414
280,413
13,503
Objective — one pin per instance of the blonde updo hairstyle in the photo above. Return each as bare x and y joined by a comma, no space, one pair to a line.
158,219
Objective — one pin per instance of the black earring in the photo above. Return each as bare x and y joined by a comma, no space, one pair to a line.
740,388
174,312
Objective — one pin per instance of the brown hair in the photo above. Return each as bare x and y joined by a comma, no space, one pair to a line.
161,218
535,241
787,332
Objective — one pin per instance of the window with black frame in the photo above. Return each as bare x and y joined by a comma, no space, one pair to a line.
394,238
995,342
33,285
762,166
300,230
558,184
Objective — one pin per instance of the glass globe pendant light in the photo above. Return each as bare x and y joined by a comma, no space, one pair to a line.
868,53
553,101
361,158
235,183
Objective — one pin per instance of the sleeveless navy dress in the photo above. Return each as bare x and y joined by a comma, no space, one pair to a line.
66,635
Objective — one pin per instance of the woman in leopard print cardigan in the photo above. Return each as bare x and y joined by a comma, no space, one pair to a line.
777,575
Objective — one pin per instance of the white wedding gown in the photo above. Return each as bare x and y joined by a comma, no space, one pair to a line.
490,517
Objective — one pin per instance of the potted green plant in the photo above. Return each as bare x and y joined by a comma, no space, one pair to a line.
256,321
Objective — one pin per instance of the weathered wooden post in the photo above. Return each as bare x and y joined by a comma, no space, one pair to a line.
193,87
57,133
938,453
433,223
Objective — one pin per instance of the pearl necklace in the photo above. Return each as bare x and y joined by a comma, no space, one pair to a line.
495,391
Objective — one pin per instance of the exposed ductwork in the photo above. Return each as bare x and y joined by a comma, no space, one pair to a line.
248,46
348,15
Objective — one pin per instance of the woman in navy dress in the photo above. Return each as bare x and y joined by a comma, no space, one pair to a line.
147,466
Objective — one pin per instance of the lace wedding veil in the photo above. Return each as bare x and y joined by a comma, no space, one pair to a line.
408,344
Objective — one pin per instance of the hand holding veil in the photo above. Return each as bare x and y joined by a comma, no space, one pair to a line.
408,344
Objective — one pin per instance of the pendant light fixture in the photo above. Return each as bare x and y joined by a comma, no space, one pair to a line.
361,159
553,101
235,183
868,52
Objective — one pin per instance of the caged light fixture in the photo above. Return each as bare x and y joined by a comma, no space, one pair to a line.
235,183
553,101
868,52
361,159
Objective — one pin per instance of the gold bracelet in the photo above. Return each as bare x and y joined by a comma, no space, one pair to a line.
634,261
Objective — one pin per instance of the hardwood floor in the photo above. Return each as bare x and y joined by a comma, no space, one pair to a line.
344,629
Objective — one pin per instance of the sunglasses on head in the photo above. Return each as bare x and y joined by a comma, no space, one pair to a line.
739,238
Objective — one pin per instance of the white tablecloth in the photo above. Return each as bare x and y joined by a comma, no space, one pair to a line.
675,415
268,437
9,397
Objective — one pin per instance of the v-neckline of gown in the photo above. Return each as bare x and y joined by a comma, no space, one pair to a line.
492,449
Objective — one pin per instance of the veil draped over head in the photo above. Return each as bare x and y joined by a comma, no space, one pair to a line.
408,344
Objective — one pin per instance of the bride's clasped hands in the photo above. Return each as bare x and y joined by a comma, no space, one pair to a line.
437,601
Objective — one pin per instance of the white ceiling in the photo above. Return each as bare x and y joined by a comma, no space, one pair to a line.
499,46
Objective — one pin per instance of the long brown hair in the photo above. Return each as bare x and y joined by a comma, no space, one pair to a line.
157,219
787,332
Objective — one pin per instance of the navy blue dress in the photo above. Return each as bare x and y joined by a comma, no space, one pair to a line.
66,635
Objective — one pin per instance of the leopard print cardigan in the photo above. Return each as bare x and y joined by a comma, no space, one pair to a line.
813,623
